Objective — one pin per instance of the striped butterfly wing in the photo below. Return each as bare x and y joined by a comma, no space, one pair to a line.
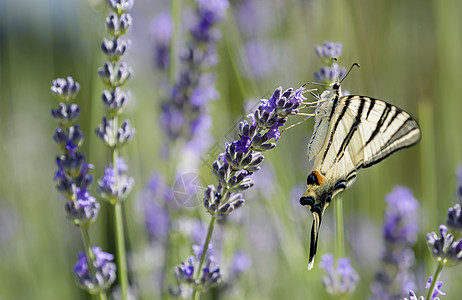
374,130
351,132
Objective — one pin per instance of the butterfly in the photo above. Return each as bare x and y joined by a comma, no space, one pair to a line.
350,133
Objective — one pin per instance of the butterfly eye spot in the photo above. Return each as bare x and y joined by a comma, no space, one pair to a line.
312,179
315,178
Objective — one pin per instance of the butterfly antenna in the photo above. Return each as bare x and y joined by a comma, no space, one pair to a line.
317,83
351,68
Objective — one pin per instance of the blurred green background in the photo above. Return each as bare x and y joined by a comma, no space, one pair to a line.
410,54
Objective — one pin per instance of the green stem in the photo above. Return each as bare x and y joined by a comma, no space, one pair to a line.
90,258
340,241
119,226
434,280
196,293
120,245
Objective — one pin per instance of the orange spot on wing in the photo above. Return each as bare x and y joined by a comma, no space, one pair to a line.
319,177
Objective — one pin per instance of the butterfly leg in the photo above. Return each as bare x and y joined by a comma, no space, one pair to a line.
298,123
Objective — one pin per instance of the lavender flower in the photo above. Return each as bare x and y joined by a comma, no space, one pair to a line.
104,271
185,110
454,221
444,249
330,71
400,234
72,177
240,263
339,282
412,296
459,188
162,28
84,210
65,90
210,272
437,290
114,190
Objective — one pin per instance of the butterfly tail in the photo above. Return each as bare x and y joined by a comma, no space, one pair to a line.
314,238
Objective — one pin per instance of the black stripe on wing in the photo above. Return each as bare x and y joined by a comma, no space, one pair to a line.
337,122
353,128
405,130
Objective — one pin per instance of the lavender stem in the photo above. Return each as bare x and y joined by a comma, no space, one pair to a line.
90,258
196,293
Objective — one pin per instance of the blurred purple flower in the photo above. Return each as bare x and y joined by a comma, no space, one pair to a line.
162,29
330,71
341,281
210,274
259,58
240,263
400,230
328,50
401,217
104,268
184,114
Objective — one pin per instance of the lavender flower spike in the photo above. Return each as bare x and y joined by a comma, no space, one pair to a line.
396,278
242,157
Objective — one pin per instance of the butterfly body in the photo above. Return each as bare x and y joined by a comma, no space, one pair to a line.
350,133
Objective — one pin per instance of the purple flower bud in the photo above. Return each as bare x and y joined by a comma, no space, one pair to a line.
437,290
412,296
68,139
115,101
65,90
162,28
114,190
454,221
118,25
105,132
120,6
105,271
114,49
328,50
66,114
444,249
330,74
341,281
84,210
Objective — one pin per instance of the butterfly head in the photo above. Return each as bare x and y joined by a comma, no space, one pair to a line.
332,93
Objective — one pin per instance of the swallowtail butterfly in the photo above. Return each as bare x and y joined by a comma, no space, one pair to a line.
350,133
